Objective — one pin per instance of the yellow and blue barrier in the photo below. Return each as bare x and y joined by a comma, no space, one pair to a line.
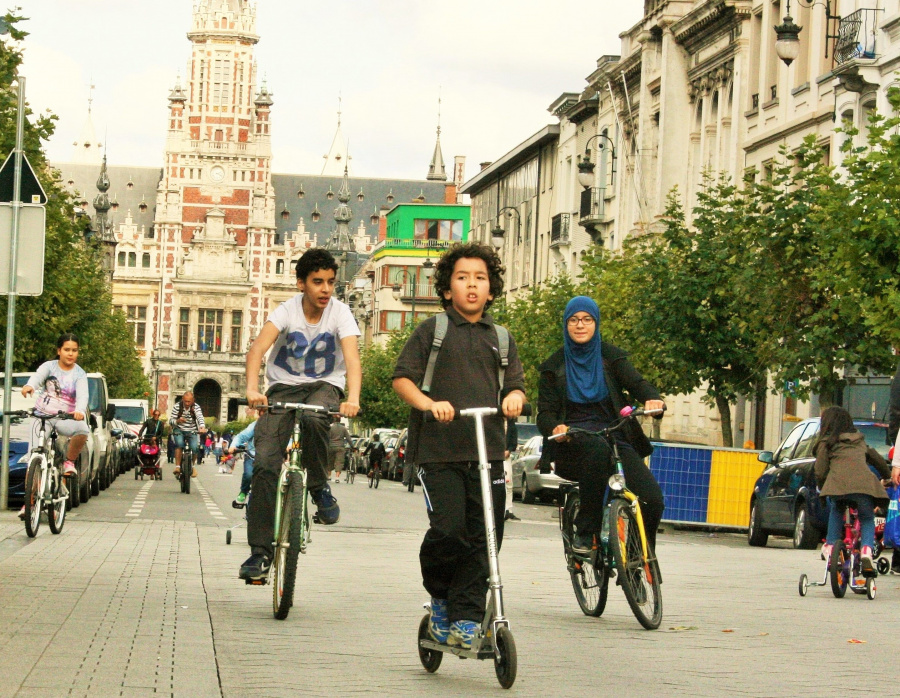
705,485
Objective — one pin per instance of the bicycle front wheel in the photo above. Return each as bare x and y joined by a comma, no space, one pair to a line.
187,467
638,576
287,547
56,511
34,495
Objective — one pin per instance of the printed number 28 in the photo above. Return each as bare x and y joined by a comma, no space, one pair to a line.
297,348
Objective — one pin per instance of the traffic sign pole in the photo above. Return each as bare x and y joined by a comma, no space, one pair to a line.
11,298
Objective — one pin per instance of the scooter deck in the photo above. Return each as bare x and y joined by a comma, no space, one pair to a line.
483,653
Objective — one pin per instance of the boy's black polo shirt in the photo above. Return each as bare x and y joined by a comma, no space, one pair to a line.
465,375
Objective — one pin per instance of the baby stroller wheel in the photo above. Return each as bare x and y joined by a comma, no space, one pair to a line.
137,471
228,537
870,588
883,565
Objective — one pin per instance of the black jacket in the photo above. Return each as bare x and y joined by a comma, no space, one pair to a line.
620,376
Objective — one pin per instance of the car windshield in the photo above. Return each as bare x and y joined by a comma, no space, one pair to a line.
525,431
131,414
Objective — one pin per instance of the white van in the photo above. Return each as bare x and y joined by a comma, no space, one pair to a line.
133,412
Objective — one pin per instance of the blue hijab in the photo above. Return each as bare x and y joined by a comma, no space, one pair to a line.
585,381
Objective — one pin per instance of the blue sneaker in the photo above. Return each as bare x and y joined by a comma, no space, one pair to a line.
462,632
328,510
439,625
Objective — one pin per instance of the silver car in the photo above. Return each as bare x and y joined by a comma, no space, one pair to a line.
528,480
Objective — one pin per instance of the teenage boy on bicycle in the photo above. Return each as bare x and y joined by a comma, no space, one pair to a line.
453,556
314,356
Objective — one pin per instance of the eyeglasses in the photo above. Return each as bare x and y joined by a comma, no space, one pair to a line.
575,321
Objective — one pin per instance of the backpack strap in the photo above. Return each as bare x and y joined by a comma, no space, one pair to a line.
503,340
440,331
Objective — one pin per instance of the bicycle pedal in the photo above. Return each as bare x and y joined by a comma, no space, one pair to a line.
316,518
255,582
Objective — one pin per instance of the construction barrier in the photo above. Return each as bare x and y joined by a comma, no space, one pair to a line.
705,485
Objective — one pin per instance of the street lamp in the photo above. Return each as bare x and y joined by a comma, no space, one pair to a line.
497,233
586,167
427,269
787,34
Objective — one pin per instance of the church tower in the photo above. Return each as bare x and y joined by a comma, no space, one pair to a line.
215,207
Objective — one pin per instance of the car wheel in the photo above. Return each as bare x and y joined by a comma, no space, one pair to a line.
806,537
74,494
755,534
527,497
95,482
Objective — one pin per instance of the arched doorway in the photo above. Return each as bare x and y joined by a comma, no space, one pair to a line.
208,394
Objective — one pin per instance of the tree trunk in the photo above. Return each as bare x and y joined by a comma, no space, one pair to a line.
725,416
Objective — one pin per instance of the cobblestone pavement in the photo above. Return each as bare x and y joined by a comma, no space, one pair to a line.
150,605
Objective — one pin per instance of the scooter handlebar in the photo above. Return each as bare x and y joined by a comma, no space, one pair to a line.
429,417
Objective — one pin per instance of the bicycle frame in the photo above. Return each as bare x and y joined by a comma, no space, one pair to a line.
628,495
291,468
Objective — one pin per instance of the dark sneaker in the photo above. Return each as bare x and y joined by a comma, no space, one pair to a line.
462,632
511,517
439,625
328,510
583,543
255,567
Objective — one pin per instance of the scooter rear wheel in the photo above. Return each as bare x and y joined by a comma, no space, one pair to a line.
505,661
431,659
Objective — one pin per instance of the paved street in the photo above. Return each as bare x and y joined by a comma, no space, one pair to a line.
139,596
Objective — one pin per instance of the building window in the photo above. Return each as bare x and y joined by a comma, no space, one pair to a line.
237,320
209,330
279,266
184,327
121,259
438,230
132,259
392,320
145,260
137,318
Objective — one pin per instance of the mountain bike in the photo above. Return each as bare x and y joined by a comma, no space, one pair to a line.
292,519
622,551
44,486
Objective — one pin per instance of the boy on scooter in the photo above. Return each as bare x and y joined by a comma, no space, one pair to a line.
467,372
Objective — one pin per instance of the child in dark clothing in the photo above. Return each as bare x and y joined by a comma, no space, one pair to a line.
467,372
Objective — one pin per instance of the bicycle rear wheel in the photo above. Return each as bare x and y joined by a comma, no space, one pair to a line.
638,576
56,510
287,546
839,569
590,582
34,494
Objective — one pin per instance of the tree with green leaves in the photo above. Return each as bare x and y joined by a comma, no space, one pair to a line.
381,406
76,297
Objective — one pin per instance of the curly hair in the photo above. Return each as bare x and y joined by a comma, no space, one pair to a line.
443,270
313,260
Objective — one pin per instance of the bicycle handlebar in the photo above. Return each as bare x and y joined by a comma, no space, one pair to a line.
37,415
287,406
457,414
627,412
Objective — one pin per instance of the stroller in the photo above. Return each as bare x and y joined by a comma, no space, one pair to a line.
148,460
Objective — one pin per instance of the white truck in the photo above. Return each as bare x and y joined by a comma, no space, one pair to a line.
133,412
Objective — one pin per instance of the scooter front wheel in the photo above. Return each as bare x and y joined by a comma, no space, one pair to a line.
431,659
505,661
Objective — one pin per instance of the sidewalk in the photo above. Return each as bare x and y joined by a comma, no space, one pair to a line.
155,608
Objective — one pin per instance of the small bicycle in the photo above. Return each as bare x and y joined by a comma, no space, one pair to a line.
621,551
843,569
495,639
44,486
374,475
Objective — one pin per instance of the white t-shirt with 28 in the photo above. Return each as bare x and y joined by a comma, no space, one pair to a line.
305,353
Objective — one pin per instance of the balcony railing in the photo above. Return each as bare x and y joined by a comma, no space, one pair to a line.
856,36
406,244
559,229
424,291
592,205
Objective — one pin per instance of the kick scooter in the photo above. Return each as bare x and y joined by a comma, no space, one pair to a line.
495,639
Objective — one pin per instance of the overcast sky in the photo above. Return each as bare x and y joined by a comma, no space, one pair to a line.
498,64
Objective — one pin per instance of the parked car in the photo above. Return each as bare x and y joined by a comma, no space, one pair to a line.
20,443
390,444
532,483
397,458
133,412
525,431
785,500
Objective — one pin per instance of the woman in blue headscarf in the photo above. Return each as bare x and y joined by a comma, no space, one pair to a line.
584,384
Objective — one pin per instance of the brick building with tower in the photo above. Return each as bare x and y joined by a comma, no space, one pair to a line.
204,245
